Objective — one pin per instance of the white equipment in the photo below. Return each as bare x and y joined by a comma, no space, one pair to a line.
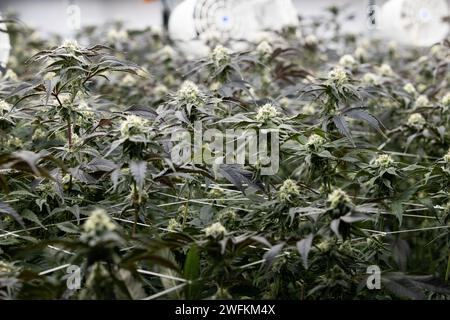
194,22
5,46
415,22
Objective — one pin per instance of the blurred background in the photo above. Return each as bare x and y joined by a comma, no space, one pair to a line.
50,16
190,24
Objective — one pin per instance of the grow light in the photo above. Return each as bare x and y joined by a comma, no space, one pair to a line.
194,22
415,22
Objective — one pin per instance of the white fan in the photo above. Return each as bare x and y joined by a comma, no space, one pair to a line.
415,22
5,46
193,22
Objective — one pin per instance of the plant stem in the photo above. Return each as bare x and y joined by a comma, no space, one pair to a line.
136,209
69,132
69,122
186,208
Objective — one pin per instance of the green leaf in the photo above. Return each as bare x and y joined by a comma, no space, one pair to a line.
271,255
99,164
238,176
191,272
68,227
342,126
303,247
31,216
362,114
334,225
115,145
6,209
397,210
82,175
354,217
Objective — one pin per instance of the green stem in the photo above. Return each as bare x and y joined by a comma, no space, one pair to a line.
69,132
186,209
136,209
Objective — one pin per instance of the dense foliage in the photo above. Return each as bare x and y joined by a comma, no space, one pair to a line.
87,178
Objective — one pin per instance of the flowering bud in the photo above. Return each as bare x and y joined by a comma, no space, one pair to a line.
338,197
216,230
266,112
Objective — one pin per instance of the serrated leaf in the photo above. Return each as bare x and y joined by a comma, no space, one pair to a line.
8,210
397,210
334,225
82,175
31,216
142,111
114,146
342,126
99,164
270,255
68,227
134,287
354,217
403,290
303,247
238,176
362,114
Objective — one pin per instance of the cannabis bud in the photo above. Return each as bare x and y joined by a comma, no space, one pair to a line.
309,109
422,101
288,189
266,112
167,53
386,70
315,141
99,221
383,161
70,45
447,157
220,55
409,88
160,90
347,61
228,214
173,225
311,40
129,80
216,230
4,106
446,100
132,125
360,53
417,121
370,79
189,93
10,75
338,197
117,35
264,49
6,267
337,76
